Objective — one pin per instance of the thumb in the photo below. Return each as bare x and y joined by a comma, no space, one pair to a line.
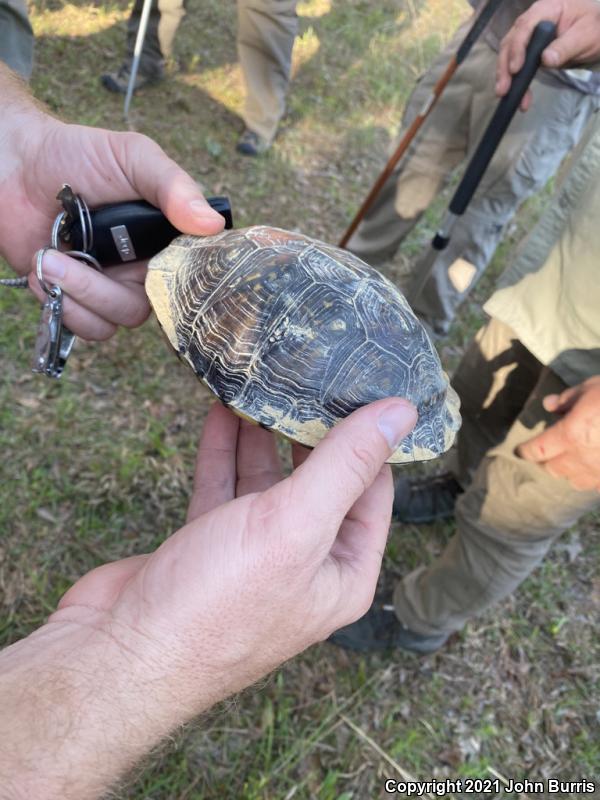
577,45
563,402
345,464
160,181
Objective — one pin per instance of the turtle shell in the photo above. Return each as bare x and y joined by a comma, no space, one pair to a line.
296,334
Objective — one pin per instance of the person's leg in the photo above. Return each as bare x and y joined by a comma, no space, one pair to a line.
528,155
165,17
438,148
493,380
16,37
506,521
266,33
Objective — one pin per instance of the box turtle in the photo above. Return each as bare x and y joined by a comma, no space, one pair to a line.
295,334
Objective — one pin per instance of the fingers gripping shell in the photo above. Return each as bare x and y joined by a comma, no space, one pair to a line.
296,334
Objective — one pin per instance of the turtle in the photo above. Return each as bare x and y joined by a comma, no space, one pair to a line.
295,334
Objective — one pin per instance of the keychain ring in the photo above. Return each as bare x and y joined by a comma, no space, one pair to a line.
81,256
38,269
56,228
78,254
86,223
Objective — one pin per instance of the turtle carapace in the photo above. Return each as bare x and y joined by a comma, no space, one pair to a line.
296,334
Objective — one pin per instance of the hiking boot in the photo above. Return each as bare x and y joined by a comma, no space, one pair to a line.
251,144
119,81
380,629
423,500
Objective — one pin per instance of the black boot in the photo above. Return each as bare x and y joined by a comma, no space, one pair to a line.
380,629
424,500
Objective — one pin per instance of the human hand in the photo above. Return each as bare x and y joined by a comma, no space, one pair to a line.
577,42
570,448
263,568
41,153
251,581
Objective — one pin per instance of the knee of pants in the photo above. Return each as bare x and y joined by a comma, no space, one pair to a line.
518,503
414,193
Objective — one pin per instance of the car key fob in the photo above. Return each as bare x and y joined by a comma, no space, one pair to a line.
121,232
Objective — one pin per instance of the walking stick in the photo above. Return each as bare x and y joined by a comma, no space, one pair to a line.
543,35
137,52
485,15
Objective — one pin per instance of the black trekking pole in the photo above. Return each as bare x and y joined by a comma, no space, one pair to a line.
484,16
543,35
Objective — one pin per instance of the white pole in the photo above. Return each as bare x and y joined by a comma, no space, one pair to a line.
137,52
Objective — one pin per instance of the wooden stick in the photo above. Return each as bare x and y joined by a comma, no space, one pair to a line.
475,31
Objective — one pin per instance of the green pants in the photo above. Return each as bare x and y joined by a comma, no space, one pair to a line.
528,155
16,37
266,33
511,510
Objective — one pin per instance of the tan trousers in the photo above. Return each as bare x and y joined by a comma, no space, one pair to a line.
265,38
528,155
512,510
266,33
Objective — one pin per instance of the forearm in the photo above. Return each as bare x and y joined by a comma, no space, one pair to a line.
81,703
24,124
21,116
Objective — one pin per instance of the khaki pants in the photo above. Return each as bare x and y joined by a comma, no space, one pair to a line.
529,154
512,510
266,33
16,37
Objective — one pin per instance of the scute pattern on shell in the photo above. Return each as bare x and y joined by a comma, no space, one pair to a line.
296,334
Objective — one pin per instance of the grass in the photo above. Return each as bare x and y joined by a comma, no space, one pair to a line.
98,466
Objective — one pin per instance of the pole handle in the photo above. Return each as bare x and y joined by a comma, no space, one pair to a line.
543,35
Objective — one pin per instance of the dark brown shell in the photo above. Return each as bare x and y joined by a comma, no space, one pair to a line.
295,334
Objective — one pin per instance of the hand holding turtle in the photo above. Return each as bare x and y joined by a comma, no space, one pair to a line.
40,154
264,566
577,43
138,647
571,447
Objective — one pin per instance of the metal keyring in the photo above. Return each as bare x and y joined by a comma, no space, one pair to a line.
38,269
56,228
83,207
79,254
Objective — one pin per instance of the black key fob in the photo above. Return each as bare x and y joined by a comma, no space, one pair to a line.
122,232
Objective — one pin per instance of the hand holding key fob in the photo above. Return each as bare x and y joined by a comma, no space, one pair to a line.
121,232
103,237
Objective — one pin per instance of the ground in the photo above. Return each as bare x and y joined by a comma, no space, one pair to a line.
97,466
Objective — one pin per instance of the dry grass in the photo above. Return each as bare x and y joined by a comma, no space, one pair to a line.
98,466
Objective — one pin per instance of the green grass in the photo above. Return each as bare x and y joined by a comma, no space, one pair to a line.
98,466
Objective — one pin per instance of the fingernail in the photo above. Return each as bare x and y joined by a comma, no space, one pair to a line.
396,422
551,58
54,266
203,209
